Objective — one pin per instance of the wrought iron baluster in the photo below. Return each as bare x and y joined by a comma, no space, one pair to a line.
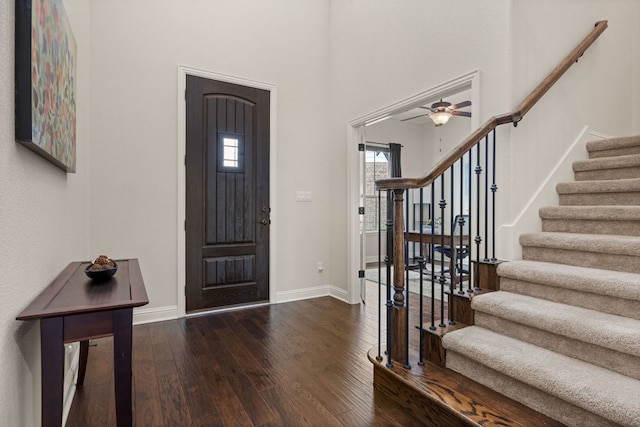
389,260
421,270
494,188
406,283
431,254
486,196
478,238
460,249
443,204
379,308
469,209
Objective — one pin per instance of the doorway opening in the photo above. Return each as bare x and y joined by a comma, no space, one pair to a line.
423,144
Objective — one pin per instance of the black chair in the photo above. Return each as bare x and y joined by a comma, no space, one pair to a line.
462,252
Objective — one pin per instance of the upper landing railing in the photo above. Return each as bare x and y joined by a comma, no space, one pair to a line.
456,218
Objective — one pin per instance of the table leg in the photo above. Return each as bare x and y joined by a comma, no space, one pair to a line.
82,369
122,345
52,362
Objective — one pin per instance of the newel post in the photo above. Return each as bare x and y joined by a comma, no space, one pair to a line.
399,345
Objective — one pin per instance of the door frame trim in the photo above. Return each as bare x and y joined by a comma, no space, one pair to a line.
183,72
355,136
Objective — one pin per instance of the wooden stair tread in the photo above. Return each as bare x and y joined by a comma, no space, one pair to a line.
437,394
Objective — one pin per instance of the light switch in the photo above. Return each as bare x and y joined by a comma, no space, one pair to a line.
303,196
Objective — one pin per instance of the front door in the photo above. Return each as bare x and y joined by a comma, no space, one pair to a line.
227,194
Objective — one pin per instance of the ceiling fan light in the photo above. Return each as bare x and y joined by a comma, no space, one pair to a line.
440,117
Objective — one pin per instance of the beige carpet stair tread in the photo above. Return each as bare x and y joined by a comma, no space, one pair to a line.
617,162
594,327
601,213
568,414
625,364
599,243
602,147
603,282
599,186
598,390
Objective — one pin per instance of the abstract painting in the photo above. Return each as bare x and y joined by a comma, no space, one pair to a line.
46,81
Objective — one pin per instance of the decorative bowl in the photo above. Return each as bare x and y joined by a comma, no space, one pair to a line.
101,275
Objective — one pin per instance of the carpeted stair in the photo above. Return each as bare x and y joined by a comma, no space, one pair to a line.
563,334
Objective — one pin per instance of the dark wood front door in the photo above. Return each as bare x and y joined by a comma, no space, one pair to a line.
227,194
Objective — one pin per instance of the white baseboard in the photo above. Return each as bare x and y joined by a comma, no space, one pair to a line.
339,293
300,294
311,292
155,314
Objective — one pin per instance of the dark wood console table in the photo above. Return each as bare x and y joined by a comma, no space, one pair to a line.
74,308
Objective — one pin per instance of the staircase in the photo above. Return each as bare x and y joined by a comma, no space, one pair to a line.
562,335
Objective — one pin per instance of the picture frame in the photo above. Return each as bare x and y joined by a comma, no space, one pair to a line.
45,81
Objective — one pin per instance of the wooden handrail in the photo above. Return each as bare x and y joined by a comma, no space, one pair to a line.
493,122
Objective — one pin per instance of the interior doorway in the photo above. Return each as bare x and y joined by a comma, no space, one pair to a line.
423,145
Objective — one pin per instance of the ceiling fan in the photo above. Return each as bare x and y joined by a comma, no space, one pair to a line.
441,112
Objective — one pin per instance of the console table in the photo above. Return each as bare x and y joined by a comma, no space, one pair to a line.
74,308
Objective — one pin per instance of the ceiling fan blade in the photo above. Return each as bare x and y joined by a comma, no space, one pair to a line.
424,107
414,117
461,105
461,113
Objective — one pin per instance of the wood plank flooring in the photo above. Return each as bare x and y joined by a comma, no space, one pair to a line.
302,363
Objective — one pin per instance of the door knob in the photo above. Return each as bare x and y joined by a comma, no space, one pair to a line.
264,222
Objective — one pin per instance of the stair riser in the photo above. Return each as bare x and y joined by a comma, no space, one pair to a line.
607,174
551,406
615,152
599,199
610,359
604,303
583,226
607,261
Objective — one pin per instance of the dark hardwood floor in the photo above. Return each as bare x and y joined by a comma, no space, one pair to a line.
302,363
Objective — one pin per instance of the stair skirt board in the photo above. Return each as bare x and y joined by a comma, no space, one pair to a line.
542,402
605,303
616,361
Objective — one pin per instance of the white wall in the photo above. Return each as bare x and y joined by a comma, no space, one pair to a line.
136,48
596,92
409,135
44,223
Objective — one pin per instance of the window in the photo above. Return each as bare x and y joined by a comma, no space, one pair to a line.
230,153
376,167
